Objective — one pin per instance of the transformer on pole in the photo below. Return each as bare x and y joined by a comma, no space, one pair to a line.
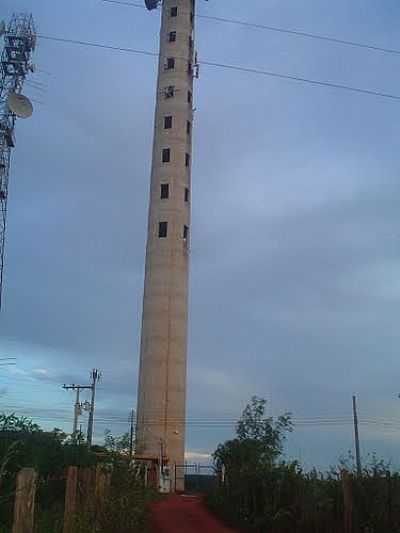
15,64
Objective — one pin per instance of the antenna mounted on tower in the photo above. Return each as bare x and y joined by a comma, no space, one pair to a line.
20,105
151,4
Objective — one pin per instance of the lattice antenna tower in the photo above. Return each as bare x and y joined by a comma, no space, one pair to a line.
19,43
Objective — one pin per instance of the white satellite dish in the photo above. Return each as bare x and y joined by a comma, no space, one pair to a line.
20,105
2,28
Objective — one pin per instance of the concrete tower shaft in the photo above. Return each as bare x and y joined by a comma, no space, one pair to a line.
162,375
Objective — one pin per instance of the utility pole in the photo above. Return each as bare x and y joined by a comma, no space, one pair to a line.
77,405
77,412
356,437
132,420
95,375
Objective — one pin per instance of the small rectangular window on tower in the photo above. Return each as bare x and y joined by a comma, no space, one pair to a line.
174,11
164,194
162,230
189,97
188,127
172,36
185,232
169,92
187,160
166,155
167,122
170,65
187,195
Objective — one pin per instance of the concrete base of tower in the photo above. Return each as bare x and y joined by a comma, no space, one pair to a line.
166,479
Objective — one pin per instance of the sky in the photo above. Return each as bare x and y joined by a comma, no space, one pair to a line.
295,241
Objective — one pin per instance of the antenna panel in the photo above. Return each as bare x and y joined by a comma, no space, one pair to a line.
20,105
151,4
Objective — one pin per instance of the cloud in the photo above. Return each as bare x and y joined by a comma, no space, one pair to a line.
198,457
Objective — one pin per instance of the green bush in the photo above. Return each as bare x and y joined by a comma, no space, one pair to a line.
263,494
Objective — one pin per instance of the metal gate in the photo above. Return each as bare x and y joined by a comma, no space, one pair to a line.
198,478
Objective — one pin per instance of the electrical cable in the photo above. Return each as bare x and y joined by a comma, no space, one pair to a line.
238,68
209,423
297,33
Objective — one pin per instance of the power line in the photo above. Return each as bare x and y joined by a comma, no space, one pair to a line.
98,45
210,423
302,80
297,33
238,68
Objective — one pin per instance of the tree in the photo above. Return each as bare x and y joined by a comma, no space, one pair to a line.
24,444
118,444
251,467
15,423
259,440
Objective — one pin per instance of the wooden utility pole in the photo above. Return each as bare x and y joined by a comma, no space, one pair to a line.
77,405
24,507
95,375
356,437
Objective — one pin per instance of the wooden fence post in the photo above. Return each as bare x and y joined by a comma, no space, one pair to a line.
103,483
347,502
86,489
71,500
24,507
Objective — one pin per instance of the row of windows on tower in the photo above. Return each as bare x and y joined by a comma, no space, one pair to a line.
166,157
170,65
168,124
172,38
169,92
174,13
164,192
163,231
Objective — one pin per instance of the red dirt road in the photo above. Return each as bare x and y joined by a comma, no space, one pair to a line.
185,514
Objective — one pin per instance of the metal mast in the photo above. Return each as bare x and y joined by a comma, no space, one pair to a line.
162,375
19,43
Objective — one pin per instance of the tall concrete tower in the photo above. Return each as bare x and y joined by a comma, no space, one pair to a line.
162,374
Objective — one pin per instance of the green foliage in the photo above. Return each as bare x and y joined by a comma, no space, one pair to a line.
262,493
15,423
259,440
118,444
126,508
25,444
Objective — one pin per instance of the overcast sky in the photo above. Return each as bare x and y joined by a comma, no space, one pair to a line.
295,285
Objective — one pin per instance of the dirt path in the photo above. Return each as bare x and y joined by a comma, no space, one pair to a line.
185,514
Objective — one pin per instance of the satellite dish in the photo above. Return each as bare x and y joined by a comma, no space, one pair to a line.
2,28
151,4
20,105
